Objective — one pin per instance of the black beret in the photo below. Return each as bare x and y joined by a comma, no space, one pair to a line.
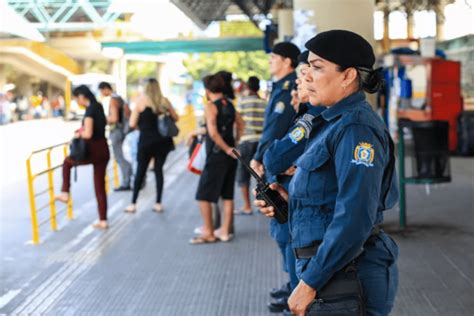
303,57
286,49
343,48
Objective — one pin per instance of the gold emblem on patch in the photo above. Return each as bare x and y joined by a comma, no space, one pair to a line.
286,85
297,134
364,154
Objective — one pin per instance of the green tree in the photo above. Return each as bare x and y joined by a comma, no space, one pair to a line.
137,70
241,64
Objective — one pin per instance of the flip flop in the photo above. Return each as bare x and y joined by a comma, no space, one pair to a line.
199,240
225,239
242,212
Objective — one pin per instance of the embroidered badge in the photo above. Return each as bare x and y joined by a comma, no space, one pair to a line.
306,122
280,107
297,134
286,85
364,155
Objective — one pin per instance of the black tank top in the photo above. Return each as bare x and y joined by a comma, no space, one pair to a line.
149,135
225,124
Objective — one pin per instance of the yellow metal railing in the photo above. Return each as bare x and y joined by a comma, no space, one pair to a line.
49,171
187,123
31,177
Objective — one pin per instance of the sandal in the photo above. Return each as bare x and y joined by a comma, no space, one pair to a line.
223,238
101,226
158,208
199,240
130,209
242,212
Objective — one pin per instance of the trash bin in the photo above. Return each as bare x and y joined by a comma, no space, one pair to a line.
431,150
429,154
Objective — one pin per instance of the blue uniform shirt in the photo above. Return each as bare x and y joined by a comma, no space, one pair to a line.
282,153
343,181
279,114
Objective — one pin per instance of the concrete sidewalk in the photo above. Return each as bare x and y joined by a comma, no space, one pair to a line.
143,265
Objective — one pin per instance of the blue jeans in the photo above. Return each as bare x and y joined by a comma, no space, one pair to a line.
378,274
289,262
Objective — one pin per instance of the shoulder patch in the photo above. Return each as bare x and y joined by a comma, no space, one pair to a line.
280,107
297,134
286,85
306,122
364,154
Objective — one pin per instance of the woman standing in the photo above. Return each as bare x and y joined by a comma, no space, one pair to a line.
151,144
218,176
93,131
344,181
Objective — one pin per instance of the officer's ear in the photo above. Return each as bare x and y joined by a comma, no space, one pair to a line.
350,75
287,62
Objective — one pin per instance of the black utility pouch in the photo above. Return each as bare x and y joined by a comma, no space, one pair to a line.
341,296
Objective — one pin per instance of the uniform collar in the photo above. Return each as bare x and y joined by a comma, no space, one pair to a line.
343,106
290,78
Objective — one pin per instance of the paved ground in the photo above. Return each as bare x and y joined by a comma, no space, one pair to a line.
144,266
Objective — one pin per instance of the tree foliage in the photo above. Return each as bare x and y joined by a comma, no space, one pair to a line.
241,64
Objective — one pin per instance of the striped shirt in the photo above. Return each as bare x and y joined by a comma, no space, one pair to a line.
252,110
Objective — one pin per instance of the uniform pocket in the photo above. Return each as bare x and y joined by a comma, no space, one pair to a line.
313,173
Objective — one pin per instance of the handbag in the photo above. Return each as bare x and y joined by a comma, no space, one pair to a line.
78,149
167,126
341,296
198,158
78,152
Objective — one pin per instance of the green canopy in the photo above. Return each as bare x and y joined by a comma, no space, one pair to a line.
190,46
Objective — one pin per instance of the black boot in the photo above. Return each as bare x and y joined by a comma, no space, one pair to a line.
283,291
278,306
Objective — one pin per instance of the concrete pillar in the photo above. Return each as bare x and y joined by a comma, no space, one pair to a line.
410,24
285,24
119,71
440,18
352,15
386,30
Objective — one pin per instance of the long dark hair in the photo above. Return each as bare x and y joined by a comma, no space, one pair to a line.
86,92
227,78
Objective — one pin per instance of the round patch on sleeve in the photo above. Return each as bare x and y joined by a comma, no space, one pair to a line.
297,134
280,107
364,155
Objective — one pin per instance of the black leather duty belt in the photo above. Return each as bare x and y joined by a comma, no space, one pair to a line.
310,251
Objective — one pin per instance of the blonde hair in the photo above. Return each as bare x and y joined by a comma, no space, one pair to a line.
159,103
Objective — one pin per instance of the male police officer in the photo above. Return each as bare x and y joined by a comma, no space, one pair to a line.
279,116
279,158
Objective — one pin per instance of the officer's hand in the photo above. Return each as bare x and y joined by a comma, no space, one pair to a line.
262,205
257,167
300,298
290,172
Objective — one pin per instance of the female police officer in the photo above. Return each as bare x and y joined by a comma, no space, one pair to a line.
344,180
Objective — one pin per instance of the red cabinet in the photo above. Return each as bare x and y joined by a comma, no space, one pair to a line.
443,92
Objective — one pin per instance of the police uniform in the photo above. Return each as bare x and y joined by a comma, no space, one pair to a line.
279,116
278,158
343,182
